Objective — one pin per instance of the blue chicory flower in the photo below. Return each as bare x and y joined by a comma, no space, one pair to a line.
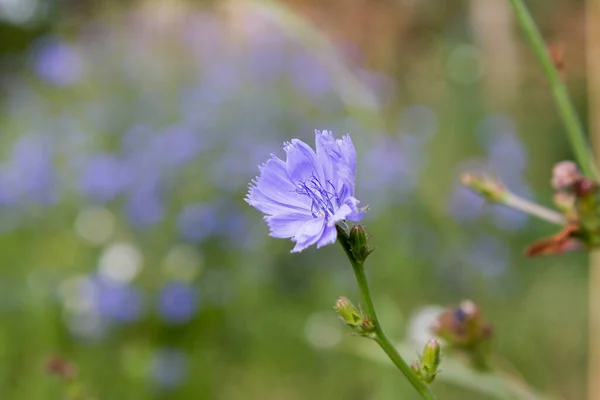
305,196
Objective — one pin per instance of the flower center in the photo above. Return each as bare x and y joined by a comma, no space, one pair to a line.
324,200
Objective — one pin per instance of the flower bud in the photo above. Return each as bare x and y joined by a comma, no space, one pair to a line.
485,186
354,318
359,243
564,175
587,206
348,313
427,367
430,361
584,187
416,367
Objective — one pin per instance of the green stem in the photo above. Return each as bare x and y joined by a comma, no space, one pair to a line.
380,338
567,112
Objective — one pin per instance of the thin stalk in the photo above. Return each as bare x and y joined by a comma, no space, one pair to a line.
493,191
380,338
528,207
566,110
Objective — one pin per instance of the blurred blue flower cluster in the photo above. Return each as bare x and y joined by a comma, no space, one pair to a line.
390,168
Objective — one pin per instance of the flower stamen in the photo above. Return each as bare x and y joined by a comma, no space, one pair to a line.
322,204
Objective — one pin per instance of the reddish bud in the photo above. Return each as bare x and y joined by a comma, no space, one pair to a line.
564,175
584,187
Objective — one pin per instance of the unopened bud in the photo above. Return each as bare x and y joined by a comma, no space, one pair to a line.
584,187
431,356
428,366
359,243
485,186
348,313
416,367
564,175
354,318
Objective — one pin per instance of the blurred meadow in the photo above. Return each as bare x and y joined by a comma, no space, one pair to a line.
129,132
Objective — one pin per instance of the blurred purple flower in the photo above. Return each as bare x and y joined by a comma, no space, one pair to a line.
488,255
465,205
237,228
31,174
506,152
507,160
197,222
265,56
308,75
220,80
197,113
305,196
169,367
178,302
508,219
135,139
144,202
176,145
390,170
58,63
144,207
103,178
203,34
116,301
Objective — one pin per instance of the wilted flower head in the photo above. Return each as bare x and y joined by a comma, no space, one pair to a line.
464,328
305,196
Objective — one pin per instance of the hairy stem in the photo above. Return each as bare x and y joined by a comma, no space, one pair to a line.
565,106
